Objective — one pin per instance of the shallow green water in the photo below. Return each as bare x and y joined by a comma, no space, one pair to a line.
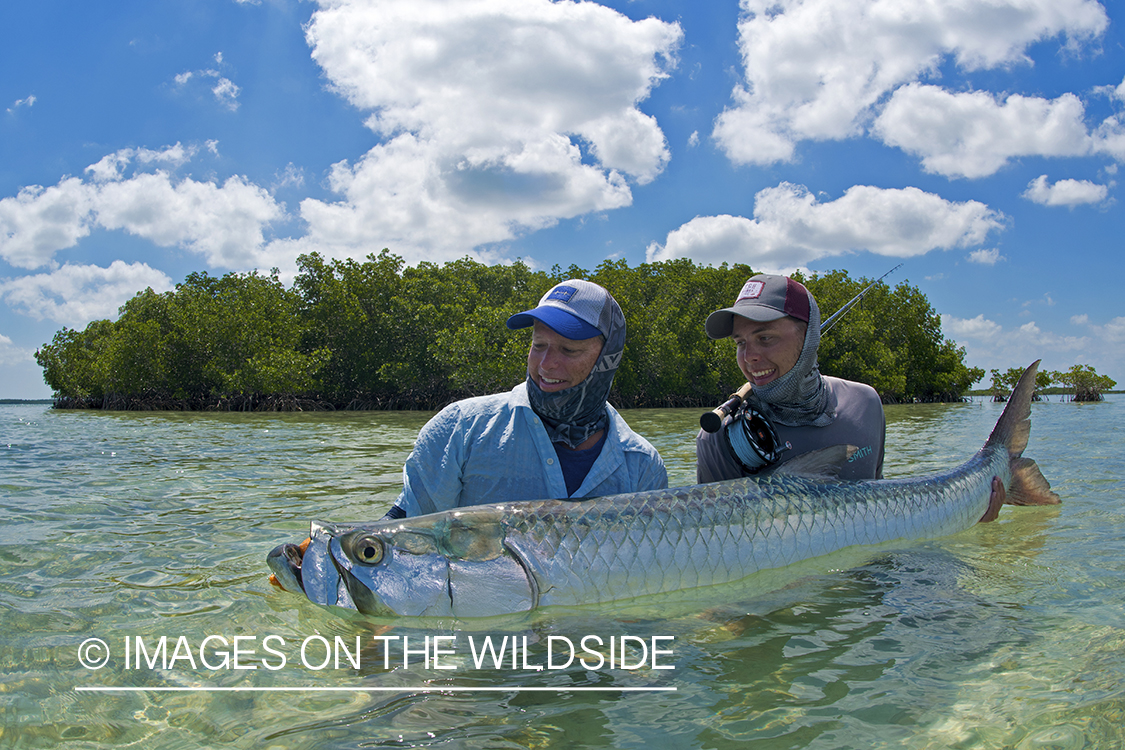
127,527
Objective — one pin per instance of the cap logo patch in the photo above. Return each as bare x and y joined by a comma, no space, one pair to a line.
751,290
562,293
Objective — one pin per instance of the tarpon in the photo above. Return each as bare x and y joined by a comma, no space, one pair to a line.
501,558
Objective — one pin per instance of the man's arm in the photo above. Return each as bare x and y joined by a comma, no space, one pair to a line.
655,475
431,476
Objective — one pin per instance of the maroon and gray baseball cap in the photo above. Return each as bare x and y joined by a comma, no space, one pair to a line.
763,298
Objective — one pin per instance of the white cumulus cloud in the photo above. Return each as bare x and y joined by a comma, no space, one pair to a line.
290,177
112,166
226,93
224,90
26,102
225,223
75,294
974,134
500,116
986,256
819,69
1112,333
991,345
10,354
791,229
39,221
1064,192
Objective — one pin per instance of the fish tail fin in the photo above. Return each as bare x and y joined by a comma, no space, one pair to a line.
1014,425
1028,485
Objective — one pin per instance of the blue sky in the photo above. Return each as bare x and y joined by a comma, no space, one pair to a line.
979,143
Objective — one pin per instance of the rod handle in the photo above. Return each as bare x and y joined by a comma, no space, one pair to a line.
711,421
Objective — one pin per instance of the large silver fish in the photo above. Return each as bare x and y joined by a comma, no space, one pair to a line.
512,557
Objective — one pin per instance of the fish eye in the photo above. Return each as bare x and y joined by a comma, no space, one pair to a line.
367,549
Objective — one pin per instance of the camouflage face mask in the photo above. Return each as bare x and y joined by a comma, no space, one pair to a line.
572,415
799,397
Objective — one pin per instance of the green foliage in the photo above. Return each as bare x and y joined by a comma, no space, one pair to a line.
350,309
1085,383
1042,380
415,336
1003,383
891,340
1088,385
668,358
380,334
75,362
211,338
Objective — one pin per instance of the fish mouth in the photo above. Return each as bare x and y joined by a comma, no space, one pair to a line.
285,562
311,568
321,570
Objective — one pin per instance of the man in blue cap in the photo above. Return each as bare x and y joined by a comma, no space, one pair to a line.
552,436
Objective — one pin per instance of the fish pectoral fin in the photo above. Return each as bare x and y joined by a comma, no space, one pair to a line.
824,463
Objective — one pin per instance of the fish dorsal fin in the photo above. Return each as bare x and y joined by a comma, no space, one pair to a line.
824,463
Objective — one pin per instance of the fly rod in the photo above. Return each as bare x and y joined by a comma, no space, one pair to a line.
713,420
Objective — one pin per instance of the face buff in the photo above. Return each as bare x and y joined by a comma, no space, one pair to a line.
799,397
571,416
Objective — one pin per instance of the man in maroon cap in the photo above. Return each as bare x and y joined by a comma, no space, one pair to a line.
791,409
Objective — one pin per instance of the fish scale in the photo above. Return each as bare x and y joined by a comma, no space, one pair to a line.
511,557
773,523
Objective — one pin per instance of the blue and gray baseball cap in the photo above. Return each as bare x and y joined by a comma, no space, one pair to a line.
574,308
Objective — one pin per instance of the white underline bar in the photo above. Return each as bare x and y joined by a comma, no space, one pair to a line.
419,689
